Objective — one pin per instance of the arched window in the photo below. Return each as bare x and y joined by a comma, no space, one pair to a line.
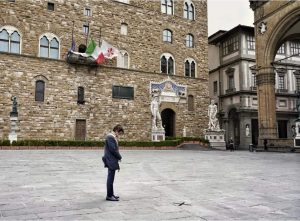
80,95
10,40
39,90
167,7
187,68
191,103
190,68
167,64
170,66
163,65
167,36
54,48
186,10
4,41
189,40
123,59
170,7
189,10
49,46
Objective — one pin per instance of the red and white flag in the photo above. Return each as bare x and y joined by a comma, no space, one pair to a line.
108,50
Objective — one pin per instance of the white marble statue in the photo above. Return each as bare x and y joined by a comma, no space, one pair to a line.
247,130
212,114
156,118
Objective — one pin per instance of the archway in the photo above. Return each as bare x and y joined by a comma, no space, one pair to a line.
168,121
282,24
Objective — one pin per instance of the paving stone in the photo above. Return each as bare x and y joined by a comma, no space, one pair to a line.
218,185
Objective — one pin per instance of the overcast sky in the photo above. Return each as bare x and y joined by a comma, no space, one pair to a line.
226,14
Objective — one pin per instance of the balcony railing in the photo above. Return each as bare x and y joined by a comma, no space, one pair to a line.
230,90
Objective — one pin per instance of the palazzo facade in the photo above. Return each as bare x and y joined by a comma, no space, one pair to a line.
162,43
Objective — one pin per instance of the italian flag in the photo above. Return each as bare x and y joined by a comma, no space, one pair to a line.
95,51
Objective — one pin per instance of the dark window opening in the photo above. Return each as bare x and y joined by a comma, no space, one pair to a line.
282,128
187,68
39,90
50,6
123,92
80,95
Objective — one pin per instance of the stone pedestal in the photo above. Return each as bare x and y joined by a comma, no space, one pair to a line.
158,134
13,128
216,139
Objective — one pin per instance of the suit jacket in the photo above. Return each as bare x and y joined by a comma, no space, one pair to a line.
111,153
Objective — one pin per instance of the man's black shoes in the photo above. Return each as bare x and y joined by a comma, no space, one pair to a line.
117,197
112,198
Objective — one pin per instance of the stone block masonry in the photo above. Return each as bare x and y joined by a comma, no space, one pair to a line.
55,118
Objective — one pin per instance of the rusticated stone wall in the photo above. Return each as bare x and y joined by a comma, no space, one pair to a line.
55,117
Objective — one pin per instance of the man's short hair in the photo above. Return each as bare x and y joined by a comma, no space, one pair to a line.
118,128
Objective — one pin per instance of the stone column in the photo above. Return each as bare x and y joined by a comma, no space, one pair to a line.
266,103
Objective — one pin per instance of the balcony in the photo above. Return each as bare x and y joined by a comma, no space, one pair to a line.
282,91
230,90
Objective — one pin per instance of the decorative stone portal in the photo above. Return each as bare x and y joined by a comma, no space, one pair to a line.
165,91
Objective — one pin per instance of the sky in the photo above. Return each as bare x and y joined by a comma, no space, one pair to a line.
226,14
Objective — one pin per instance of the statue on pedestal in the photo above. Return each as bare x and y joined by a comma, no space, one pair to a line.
156,118
212,114
14,111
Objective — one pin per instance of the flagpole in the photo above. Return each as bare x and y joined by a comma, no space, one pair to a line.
87,34
100,35
73,32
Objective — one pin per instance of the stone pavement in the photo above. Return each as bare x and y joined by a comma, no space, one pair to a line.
210,185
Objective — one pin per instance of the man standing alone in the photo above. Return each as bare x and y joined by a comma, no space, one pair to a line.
111,158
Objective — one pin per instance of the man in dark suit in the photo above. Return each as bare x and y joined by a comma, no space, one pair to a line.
111,160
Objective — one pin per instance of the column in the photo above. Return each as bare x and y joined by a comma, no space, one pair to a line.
266,103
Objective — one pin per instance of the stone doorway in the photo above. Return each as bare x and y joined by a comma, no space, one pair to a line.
234,126
254,131
168,121
80,129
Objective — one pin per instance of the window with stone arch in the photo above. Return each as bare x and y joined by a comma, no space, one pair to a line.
49,46
189,10
191,103
10,39
123,59
39,90
167,7
190,68
167,64
189,41
167,36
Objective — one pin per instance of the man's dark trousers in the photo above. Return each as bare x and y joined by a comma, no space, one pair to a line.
110,182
